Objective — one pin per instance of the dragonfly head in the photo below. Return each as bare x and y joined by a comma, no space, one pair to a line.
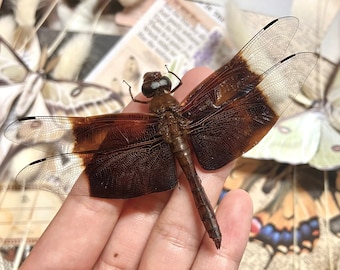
154,83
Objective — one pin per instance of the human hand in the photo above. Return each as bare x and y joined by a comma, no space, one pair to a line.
156,231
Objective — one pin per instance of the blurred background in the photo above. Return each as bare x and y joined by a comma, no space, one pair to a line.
64,57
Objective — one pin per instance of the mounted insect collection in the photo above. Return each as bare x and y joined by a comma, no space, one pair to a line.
272,105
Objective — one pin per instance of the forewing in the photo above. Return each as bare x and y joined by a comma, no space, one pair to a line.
227,130
78,134
242,72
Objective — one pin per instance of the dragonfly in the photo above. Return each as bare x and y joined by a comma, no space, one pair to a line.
126,155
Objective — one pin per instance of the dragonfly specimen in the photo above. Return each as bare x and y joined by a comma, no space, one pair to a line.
128,155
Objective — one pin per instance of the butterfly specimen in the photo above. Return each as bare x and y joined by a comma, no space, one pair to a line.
62,96
31,83
296,202
296,212
133,154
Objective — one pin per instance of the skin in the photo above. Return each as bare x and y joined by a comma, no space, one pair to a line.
157,231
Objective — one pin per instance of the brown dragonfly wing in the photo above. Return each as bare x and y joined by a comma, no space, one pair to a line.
242,72
136,171
61,134
122,174
128,158
229,128
49,134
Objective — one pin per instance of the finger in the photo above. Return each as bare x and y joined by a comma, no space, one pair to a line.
234,214
178,232
77,235
139,215
127,241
